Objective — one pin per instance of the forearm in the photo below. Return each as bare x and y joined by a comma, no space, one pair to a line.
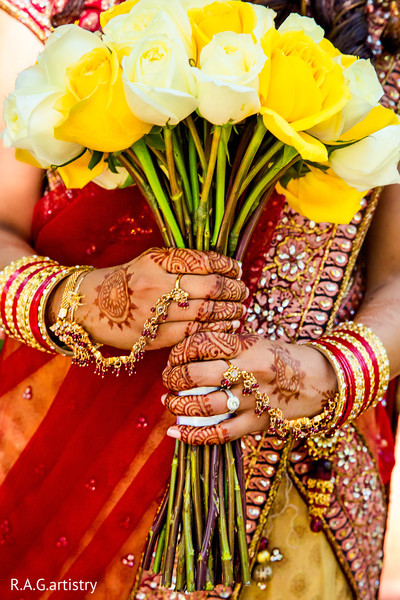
380,311
12,246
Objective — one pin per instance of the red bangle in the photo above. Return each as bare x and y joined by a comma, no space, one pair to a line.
7,286
372,356
349,376
33,310
363,365
18,294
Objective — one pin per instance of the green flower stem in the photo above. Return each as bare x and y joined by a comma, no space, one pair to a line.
159,551
172,487
255,142
187,526
196,493
193,173
206,495
260,164
169,554
230,468
134,159
145,160
155,532
188,226
220,189
197,142
148,194
160,157
226,556
242,542
176,192
253,199
180,165
203,209
180,567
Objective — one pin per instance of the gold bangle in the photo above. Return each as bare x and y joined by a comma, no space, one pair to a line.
341,398
71,299
379,351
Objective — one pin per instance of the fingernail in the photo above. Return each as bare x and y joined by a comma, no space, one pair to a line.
244,309
240,269
235,324
247,292
174,433
163,399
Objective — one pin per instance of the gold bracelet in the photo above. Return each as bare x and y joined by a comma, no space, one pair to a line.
85,351
71,299
282,427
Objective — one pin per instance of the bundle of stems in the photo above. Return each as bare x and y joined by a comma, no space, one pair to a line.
204,183
206,186
198,539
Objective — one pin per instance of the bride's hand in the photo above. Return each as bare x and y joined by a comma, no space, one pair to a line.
297,379
118,300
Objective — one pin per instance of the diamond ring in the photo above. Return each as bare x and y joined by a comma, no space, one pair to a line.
232,402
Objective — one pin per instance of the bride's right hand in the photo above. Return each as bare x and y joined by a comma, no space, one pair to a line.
118,300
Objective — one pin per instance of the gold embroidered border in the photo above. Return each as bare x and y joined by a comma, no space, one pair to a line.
358,241
316,281
24,18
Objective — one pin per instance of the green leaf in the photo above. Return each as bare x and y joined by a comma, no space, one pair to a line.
155,140
340,145
112,163
96,158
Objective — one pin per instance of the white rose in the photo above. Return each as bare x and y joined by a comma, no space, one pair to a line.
366,91
296,22
30,119
159,84
65,46
265,20
150,18
189,4
371,162
228,78
109,180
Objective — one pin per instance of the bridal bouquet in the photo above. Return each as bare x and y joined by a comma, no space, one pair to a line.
207,107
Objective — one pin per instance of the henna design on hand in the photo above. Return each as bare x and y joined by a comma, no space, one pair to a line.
114,299
289,378
218,327
178,378
183,260
210,346
216,434
225,288
190,406
211,310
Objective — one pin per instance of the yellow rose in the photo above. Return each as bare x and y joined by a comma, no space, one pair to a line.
95,111
322,196
119,9
235,16
77,174
300,86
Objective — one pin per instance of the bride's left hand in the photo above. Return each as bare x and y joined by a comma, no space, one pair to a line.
297,379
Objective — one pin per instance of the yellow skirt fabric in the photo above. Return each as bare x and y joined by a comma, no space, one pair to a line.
309,569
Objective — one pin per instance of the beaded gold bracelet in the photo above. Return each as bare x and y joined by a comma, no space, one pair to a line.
300,428
85,351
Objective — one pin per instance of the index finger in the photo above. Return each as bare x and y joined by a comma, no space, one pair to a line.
184,260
